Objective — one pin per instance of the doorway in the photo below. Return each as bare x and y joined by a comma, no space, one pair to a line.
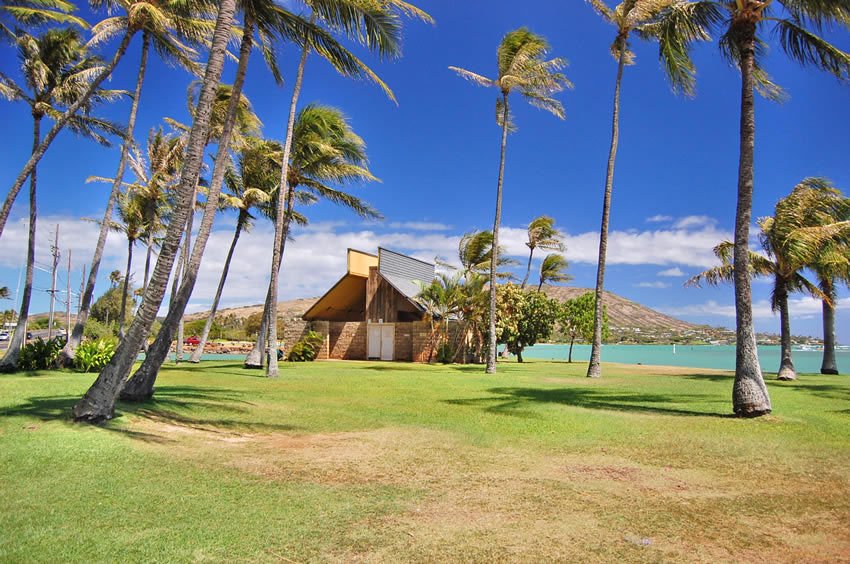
381,341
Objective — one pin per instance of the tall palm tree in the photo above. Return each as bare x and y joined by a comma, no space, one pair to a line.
164,26
813,203
522,66
830,267
376,24
742,24
553,269
98,403
131,223
543,235
325,151
164,22
268,18
674,24
56,68
250,186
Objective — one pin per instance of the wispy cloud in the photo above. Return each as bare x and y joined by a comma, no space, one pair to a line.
800,308
659,219
675,271
658,285
420,225
694,221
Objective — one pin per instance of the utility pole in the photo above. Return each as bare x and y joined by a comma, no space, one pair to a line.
82,289
55,250
68,301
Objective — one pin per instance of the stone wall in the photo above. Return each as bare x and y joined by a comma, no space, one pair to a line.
346,340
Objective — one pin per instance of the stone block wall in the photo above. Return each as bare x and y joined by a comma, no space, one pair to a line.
346,340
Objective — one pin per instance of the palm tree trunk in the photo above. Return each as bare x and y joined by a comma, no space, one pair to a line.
199,350
786,365
280,236
141,386
254,359
60,123
828,366
178,348
98,404
528,269
594,367
570,355
76,336
10,359
123,315
148,254
540,285
749,393
494,254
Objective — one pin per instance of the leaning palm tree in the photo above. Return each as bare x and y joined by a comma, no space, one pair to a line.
522,66
812,204
541,235
56,68
553,269
249,186
674,24
742,24
164,23
376,24
98,403
325,152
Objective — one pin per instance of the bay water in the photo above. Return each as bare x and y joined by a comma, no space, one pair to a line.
695,356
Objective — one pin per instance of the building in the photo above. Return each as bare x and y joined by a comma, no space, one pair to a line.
372,312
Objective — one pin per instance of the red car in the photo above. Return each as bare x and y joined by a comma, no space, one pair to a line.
193,340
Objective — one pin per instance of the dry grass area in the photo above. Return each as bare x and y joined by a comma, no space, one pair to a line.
468,469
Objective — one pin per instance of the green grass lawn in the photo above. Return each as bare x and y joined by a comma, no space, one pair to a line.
388,462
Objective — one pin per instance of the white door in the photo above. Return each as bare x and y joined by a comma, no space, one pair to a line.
373,341
387,341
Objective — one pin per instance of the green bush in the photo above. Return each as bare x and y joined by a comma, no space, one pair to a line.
307,348
93,355
445,353
95,329
40,354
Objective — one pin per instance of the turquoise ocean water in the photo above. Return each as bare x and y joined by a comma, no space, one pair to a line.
696,356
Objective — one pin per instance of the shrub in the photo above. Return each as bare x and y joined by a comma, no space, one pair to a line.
95,329
445,353
307,348
93,355
40,354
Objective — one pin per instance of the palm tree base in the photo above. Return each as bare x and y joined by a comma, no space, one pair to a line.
136,397
833,371
786,373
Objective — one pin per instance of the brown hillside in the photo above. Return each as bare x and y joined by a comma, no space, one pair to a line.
625,314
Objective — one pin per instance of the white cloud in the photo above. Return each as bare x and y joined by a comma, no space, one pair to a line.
658,285
694,221
659,219
420,225
800,308
675,271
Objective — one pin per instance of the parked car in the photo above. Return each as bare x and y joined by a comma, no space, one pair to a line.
193,340
29,335
4,336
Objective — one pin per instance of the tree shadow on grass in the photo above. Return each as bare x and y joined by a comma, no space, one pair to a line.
825,391
516,401
709,377
213,410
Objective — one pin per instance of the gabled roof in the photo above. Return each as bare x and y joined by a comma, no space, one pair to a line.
406,274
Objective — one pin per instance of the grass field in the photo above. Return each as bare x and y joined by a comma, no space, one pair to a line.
399,462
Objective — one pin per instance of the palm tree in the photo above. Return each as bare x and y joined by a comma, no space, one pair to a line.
98,403
250,186
56,68
813,203
741,23
268,18
377,26
325,150
131,223
164,25
443,299
522,67
163,22
830,267
541,234
674,24
31,13
553,269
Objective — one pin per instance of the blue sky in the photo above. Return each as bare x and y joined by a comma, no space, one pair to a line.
437,156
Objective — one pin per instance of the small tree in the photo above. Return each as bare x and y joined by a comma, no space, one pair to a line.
576,317
523,318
